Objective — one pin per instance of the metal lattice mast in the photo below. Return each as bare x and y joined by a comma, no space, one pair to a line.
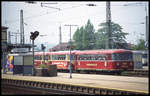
21,28
108,23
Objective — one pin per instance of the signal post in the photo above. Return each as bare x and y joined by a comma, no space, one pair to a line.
32,37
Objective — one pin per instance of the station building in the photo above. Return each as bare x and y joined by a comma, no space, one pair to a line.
59,47
3,46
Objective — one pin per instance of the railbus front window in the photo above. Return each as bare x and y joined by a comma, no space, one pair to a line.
122,56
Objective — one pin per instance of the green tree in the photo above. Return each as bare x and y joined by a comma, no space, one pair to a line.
140,45
100,40
88,36
84,37
77,37
118,36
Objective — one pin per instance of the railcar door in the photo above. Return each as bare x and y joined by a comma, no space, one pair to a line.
37,60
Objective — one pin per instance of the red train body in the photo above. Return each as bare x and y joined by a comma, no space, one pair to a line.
108,60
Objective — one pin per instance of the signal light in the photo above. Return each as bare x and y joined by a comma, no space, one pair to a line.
34,35
42,47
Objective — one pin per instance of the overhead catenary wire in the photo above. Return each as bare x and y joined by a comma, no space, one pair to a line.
79,5
46,13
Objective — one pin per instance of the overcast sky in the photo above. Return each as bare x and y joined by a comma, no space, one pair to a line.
47,20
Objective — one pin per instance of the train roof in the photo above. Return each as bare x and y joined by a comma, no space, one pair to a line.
55,53
103,51
77,52
61,52
41,53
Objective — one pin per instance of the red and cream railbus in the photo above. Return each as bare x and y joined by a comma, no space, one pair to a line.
41,58
60,58
110,60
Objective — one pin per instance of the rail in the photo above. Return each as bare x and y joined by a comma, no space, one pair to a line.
34,87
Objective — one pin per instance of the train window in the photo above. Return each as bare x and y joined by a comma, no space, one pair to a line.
58,57
54,57
101,58
122,56
46,57
91,57
37,57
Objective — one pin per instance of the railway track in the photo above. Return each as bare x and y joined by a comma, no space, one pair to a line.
135,73
13,89
10,86
9,89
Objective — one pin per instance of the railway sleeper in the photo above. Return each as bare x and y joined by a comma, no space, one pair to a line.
71,88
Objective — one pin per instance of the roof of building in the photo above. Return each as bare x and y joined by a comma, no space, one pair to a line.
4,27
59,47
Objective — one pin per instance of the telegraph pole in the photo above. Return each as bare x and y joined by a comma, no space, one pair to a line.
108,23
70,50
21,28
147,34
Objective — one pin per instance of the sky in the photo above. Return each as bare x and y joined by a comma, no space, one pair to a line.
47,19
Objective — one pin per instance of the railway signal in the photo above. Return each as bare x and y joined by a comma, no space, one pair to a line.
32,37
43,47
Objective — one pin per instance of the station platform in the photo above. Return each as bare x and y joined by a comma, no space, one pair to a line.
136,84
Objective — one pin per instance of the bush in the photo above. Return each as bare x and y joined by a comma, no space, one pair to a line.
42,66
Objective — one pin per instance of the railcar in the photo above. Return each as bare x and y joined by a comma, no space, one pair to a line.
62,59
108,60
41,58
89,60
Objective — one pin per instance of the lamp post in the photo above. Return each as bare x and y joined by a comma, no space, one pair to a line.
70,68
